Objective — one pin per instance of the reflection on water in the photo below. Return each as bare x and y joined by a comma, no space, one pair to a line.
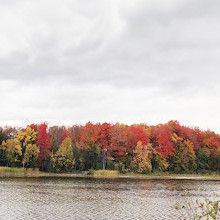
78,198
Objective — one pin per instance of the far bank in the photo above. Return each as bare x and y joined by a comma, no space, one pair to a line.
23,172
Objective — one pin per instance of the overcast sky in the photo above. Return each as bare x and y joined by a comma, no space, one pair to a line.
71,61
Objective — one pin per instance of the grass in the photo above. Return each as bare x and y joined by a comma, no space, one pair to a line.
18,170
105,173
213,174
166,175
11,170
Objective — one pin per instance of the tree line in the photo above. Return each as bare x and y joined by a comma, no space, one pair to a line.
136,148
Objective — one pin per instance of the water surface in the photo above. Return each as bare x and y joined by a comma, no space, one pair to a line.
85,198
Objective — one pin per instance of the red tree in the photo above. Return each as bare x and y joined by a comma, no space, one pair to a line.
118,141
43,142
211,143
88,136
164,140
65,134
74,133
33,126
196,138
133,135
104,139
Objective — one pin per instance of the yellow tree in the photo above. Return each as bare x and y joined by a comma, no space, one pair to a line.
31,155
188,156
142,157
64,160
13,151
27,139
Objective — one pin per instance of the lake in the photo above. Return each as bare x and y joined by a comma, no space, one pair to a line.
91,198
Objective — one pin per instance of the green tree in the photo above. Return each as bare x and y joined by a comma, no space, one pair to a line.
3,159
184,158
202,159
158,163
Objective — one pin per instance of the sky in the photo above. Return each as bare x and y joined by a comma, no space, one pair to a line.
137,61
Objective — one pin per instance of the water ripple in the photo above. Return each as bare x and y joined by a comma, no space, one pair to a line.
75,198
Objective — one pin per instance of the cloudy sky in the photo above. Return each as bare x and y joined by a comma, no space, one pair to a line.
71,61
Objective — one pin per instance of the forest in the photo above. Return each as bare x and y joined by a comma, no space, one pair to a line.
138,148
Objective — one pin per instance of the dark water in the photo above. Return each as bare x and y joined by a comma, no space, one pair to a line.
78,198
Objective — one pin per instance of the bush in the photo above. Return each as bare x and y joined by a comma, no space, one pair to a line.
202,209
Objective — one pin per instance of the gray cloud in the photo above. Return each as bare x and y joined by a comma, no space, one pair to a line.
133,61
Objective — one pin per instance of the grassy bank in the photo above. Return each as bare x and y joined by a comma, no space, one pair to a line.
24,172
104,173
18,170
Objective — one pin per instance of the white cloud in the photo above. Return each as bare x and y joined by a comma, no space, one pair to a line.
129,61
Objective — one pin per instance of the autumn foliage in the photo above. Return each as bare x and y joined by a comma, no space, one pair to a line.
136,148
43,142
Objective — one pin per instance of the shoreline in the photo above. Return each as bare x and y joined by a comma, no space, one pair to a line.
120,176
